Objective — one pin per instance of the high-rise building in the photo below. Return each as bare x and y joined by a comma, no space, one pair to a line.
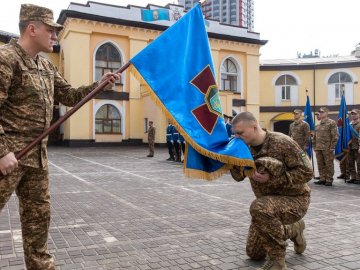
235,12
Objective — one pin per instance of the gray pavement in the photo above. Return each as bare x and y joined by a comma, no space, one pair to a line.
113,208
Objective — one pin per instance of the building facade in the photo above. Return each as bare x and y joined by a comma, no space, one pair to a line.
284,85
98,38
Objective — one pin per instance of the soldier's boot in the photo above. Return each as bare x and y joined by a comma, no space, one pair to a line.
274,264
296,235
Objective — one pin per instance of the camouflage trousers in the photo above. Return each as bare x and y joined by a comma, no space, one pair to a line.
32,189
325,161
344,168
268,233
354,158
151,148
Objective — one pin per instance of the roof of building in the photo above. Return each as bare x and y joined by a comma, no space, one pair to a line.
131,16
6,36
310,63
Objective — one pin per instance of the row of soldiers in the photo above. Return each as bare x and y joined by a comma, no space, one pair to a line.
324,141
175,143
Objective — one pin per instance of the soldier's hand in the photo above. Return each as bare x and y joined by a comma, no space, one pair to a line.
172,141
112,77
262,177
8,163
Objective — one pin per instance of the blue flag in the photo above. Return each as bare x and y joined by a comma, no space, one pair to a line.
149,15
308,118
178,72
342,146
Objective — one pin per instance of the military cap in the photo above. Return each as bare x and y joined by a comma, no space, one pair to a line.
323,109
355,111
298,111
30,12
271,165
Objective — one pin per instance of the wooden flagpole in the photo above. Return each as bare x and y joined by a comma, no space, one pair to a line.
63,118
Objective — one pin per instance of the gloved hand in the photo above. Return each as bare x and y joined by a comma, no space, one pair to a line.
172,141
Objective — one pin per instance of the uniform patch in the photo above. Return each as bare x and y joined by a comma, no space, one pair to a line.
305,159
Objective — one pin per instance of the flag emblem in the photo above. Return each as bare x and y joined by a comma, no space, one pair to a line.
208,113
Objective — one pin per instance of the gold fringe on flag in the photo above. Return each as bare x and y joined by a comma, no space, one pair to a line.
229,161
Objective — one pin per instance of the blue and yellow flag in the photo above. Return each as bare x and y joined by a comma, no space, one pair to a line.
343,143
178,72
149,15
308,118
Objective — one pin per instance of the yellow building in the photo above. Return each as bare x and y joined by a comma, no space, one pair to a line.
283,86
98,38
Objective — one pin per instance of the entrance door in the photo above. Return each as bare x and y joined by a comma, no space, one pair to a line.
282,126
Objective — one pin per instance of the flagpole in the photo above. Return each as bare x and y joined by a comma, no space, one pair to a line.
311,154
62,119
343,128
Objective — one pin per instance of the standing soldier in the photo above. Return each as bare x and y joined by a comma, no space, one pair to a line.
176,138
29,86
170,141
281,190
300,130
326,136
354,156
151,139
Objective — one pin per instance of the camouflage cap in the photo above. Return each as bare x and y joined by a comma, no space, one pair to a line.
271,165
298,111
323,109
355,111
30,12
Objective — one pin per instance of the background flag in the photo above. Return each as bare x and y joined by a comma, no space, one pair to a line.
308,118
178,72
149,15
342,146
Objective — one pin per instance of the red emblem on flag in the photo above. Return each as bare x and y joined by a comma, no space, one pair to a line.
207,113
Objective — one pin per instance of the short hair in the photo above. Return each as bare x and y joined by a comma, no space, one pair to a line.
151,122
244,116
24,24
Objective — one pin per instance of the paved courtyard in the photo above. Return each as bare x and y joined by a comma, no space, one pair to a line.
113,208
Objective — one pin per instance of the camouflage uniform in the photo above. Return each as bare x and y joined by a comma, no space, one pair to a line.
354,157
151,140
299,131
28,88
326,136
282,200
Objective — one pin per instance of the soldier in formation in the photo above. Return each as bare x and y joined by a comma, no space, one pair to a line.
29,86
354,156
299,130
151,139
170,141
325,139
281,190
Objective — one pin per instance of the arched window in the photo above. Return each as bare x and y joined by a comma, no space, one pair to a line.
229,76
285,82
339,79
108,120
107,59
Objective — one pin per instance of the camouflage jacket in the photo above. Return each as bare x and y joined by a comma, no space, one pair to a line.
299,131
326,135
355,141
28,89
291,180
151,134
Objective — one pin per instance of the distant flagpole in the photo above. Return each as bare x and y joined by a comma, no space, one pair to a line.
343,143
308,117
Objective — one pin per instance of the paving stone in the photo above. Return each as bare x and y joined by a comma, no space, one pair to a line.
113,208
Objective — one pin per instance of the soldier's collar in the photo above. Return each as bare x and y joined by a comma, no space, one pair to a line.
29,61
